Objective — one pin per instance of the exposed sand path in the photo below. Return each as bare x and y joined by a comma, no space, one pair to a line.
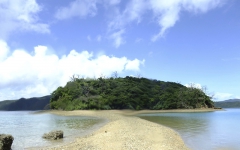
125,132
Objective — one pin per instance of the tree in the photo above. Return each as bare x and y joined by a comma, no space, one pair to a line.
115,74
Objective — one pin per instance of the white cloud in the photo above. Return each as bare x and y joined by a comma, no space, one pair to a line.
218,96
117,37
77,8
25,74
201,6
165,12
195,85
20,15
134,64
4,50
223,96
167,17
133,12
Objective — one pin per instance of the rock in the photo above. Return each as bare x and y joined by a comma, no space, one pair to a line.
54,135
6,141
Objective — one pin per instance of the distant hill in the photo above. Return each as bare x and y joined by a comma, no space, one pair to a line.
35,103
231,103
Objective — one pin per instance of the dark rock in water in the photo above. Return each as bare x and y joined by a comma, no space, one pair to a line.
54,135
6,141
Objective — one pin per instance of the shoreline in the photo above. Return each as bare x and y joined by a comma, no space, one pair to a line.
124,130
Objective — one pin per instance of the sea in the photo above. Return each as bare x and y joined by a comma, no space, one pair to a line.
218,130
28,127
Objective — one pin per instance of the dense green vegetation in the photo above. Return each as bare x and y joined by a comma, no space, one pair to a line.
232,103
36,103
127,93
4,105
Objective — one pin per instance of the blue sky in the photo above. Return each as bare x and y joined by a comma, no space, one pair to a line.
44,42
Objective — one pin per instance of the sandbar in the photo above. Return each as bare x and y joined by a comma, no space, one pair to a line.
125,131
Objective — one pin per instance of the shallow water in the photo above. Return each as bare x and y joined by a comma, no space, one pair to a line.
27,128
217,130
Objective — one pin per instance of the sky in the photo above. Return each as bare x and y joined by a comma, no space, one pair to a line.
43,43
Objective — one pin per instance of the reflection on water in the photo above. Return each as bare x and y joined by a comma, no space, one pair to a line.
75,123
27,128
203,131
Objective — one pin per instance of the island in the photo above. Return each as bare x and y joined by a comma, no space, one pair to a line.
119,100
127,93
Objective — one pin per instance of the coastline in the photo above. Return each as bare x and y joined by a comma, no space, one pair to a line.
125,131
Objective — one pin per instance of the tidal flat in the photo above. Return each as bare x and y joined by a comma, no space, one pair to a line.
126,129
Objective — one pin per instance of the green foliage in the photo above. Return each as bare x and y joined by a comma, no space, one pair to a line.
35,103
228,104
127,93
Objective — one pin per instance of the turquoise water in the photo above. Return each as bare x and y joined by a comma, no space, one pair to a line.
27,128
219,130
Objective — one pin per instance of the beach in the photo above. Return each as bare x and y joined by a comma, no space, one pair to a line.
125,131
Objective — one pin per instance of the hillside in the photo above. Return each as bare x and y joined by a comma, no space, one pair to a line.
127,93
231,103
36,103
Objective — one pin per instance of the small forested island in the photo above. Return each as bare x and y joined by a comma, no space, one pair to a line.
127,93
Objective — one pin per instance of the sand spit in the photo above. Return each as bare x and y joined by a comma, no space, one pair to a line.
130,112
123,132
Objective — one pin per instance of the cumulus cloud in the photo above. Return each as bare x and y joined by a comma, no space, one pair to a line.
195,85
218,96
25,74
20,15
4,50
133,64
77,8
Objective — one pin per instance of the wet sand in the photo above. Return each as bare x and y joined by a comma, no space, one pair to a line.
124,131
